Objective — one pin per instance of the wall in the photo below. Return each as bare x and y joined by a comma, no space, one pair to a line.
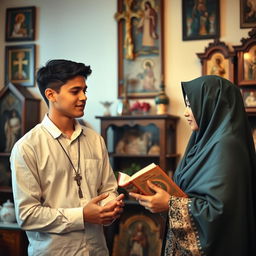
85,31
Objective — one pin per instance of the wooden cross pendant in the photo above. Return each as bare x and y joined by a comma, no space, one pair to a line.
78,179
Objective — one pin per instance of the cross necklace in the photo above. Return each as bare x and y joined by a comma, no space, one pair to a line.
78,176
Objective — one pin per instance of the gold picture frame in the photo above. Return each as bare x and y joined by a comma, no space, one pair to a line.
140,48
138,233
218,59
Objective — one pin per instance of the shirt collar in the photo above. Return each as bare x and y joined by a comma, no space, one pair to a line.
56,132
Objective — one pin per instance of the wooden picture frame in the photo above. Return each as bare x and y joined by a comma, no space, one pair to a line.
11,114
16,103
249,97
200,20
218,59
20,24
140,48
247,14
138,233
246,60
5,172
19,112
20,64
254,135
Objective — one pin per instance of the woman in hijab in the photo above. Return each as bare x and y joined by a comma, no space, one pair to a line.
217,172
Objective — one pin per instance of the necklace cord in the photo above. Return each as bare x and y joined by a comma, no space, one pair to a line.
78,177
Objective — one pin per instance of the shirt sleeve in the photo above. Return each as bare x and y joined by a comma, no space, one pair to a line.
109,183
31,214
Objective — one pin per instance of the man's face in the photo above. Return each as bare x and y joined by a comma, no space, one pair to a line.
71,98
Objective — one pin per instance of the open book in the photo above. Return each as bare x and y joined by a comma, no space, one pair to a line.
138,182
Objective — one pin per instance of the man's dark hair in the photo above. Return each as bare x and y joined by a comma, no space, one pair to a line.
58,72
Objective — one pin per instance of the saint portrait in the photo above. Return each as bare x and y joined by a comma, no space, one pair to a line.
247,13
139,235
218,65
10,124
250,64
140,48
20,24
143,76
200,19
254,136
249,97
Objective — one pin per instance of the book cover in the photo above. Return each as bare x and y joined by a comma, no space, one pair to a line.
138,182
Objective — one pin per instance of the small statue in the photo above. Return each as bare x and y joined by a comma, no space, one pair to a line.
106,105
123,107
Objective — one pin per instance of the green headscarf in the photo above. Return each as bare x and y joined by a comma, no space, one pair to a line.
218,168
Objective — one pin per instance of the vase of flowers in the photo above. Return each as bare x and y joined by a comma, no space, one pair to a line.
140,108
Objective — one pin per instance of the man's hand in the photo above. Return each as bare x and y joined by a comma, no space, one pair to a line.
155,203
94,213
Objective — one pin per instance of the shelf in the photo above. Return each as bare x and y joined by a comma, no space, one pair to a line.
137,117
141,156
5,154
5,189
13,225
251,111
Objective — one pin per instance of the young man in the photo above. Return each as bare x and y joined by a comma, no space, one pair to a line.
63,185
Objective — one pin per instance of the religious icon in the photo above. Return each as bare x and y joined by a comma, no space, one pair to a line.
148,24
20,65
140,48
218,59
254,136
249,96
20,24
5,173
218,65
247,13
138,236
250,64
200,19
10,124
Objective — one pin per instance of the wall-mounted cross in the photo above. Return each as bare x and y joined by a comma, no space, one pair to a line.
20,62
128,15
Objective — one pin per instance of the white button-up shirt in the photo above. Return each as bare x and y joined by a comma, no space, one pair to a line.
46,195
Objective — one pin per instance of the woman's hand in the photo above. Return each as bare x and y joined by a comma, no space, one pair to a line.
155,203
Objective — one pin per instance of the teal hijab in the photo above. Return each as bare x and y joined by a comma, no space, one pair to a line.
218,169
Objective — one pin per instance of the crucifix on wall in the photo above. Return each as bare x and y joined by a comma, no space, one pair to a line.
140,47
20,62
127,15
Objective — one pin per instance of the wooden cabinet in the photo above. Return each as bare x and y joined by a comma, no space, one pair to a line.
13,241
136,141
246,76
155,135
19,112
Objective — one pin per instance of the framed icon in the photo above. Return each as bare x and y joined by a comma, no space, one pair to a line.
246,58
16,118
249,97
20,24
218,59
20,64
247,14
200,19
140,48
139,233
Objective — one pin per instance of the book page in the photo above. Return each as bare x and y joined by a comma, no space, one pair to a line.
124,179
145,169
